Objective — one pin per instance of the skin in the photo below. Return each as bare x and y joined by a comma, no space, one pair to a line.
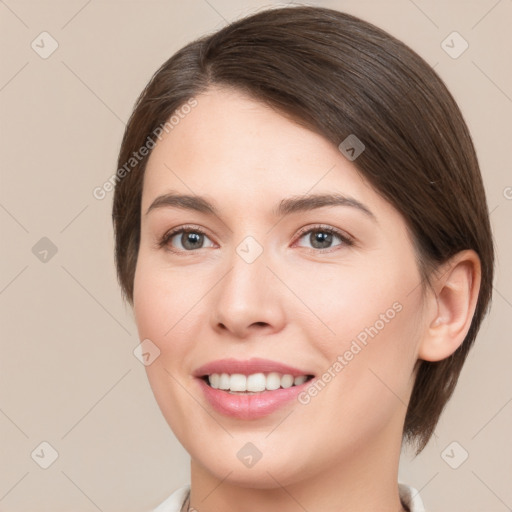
296,303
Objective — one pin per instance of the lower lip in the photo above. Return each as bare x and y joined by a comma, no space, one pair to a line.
250,407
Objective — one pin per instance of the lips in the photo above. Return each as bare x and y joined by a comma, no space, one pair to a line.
248,367
249,405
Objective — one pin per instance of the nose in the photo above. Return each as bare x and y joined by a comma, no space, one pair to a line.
248,300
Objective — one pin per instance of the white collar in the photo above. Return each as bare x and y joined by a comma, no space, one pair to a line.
411,498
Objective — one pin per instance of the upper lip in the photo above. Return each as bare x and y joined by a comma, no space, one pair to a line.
247,367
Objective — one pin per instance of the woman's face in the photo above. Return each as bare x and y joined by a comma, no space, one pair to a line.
330,290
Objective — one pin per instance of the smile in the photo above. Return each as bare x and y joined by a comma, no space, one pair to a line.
255,382
250,389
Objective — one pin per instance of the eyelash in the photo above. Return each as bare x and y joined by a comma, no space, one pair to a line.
347,241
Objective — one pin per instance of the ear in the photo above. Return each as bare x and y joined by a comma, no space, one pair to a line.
451,310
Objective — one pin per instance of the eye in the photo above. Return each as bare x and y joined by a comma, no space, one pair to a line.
190,238
321,237
185,239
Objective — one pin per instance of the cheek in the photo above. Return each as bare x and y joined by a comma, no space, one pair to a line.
158,309
375,375
370,333
348,301
162,299
148,303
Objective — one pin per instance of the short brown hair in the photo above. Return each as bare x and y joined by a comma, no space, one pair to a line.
339,75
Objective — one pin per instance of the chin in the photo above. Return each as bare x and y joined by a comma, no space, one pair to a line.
257,477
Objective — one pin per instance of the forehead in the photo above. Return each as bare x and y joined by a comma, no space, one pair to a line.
242,152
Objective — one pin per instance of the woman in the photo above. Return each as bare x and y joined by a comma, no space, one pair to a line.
302,231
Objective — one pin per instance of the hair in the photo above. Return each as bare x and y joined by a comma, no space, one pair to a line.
338,75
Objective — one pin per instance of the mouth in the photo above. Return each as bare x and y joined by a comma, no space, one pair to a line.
250,389
254,383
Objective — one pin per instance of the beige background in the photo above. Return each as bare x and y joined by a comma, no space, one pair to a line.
68,375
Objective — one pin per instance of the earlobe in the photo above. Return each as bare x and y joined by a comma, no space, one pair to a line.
456,294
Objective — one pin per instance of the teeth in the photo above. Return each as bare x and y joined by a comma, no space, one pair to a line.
238,382
273,381
255,382
214,380
300,380
224,381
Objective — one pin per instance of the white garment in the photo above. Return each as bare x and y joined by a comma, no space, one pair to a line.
409,495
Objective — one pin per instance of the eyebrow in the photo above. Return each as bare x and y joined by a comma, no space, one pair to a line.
285,207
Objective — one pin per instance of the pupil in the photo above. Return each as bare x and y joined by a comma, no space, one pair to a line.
322,238
191,240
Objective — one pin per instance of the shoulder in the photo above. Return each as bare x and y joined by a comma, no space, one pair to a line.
175,501
411,498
